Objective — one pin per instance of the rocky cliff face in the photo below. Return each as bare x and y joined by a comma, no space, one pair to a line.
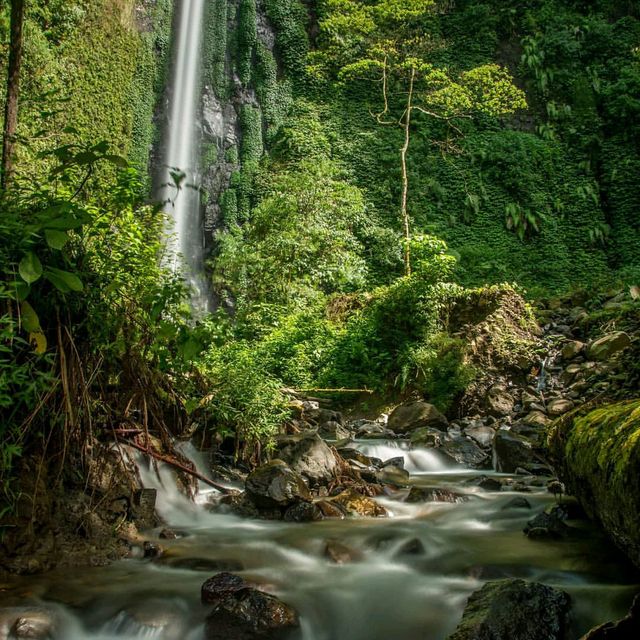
237,33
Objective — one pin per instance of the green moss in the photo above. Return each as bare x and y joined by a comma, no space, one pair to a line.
599,452
247,40
215,47
96,73
289,17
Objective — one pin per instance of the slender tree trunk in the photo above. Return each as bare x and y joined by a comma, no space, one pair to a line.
405,176
13,90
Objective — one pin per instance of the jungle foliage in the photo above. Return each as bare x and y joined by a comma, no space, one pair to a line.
522,167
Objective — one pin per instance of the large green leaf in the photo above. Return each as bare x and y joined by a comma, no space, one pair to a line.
56,239
64,281
30,267
30,320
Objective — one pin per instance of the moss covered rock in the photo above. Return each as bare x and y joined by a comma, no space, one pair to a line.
599,456
514,609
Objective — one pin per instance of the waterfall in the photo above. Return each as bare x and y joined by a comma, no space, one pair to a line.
185,244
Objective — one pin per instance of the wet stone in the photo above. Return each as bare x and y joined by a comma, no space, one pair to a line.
249,614
413,415
303,512
357,504
515,610
276,485
420,494
220,586
37,624
413,547
548,525
517,503
340,553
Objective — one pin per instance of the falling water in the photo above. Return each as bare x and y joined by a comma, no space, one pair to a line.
180,177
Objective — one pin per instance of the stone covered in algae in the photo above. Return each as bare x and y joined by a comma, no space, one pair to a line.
598,454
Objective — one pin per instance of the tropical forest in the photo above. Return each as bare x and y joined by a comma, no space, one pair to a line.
320,319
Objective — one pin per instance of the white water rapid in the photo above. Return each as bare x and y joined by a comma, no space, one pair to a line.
180,181
410,577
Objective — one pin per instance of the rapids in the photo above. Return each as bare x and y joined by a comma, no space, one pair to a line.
388,593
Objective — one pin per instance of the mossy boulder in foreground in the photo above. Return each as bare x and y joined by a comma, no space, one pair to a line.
515,609
598,454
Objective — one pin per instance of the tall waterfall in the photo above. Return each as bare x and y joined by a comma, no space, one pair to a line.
182,153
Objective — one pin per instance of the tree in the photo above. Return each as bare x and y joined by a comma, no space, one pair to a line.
389,42
13,90
299,242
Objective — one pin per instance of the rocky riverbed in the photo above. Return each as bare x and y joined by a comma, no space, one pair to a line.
408,524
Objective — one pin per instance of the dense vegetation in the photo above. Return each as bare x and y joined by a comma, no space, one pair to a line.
519,125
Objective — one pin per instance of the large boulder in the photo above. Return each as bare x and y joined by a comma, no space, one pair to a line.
242,612
29,622
275,484
626,629
499,401
514,610
598,456
512,451
607,346
311,457
414,415
466,452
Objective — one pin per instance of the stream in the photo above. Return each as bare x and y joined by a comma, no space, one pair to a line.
393,590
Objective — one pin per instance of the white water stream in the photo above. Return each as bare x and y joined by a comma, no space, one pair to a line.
180,190
386,593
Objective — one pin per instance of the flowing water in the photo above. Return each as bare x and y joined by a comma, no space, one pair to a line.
180,180
386,594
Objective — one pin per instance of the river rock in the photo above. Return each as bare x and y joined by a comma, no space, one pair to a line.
439,494
499,401
412,547
331,509
275,484
482,435
514,610
37,624
609,345
373,430
466,452
242,612
311,457
536,418
355,503
320,415
392,474
548,525
428,437
333,430
572,349
413,415
512,451
341,553
303,512
559,406
597,456
626,629
353,454
517,503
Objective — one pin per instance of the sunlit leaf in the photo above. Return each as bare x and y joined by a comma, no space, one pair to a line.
64,281
29,317
39,341
30,267
56,239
